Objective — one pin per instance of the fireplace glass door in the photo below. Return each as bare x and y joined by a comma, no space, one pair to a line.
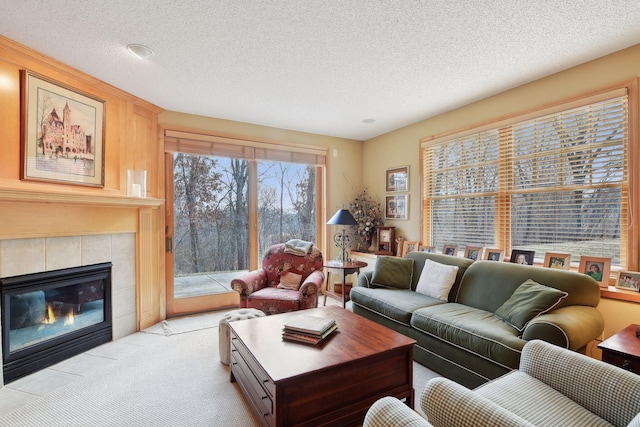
49,316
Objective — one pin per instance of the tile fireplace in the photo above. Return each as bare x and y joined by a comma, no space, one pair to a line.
50,316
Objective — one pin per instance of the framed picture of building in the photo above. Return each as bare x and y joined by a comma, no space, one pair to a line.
62,133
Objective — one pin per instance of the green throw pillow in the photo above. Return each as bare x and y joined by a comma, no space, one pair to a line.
393,272
529,300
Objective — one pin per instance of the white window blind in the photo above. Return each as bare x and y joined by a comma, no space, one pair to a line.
553,181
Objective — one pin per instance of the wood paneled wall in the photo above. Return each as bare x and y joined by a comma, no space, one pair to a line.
39,209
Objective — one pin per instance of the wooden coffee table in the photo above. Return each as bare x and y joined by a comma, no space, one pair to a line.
331,384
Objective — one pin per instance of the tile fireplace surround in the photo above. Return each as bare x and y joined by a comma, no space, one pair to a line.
25,256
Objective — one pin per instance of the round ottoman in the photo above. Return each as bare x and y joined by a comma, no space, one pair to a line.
224,337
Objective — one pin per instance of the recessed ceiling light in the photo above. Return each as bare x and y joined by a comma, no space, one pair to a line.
369,121
141,51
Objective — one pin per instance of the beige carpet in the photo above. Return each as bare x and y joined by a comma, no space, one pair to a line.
177,380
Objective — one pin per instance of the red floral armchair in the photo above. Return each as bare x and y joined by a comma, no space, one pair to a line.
260,288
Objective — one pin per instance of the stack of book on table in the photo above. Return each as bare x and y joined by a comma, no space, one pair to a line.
308,329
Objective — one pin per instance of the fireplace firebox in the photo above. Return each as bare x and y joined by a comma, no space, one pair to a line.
51,316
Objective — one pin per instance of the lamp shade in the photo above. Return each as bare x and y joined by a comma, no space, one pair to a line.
342,217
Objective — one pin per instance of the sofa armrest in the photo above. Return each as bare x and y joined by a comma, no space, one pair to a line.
249,282
312,283
364,279
389,411
571,327
447,403
606,390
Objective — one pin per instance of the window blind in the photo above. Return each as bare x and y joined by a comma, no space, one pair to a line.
553,180
205,144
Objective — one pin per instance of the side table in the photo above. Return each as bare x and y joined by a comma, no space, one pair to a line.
623,349
343,268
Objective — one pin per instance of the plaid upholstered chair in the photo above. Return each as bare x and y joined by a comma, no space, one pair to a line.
552,387
289,280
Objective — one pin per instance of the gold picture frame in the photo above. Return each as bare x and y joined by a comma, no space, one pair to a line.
409,246
397,179
596,267
493,254
396,207
62,133
450,250
473,253
557,260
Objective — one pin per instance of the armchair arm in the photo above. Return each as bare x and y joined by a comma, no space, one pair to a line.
447,403
249,282
364,279
606,390
312,283
571,327
389,411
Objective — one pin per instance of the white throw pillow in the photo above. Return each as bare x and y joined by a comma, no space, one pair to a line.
436,279
290,281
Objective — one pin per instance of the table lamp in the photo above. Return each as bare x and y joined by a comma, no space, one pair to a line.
343,239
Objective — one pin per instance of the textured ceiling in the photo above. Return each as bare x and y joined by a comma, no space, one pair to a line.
322,66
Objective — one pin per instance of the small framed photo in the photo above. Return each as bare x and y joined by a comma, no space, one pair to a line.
450,250
397,179
494,254
522,257
409,246
430,249
473,252
557,260
628,280
62,133
596,267
396,207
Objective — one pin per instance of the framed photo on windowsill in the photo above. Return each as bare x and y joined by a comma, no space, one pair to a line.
396,207
397,179
62,133
494,254
596,267
557,260
629,280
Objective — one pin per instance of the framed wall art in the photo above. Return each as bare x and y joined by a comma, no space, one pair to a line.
62,133
596,267
557,260
396,207
494,254
628,280
397,179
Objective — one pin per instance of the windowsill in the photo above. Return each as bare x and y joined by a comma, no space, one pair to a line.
612,292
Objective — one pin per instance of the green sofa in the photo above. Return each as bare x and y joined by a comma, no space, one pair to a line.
462,338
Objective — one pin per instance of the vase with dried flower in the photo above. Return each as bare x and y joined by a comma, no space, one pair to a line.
368,214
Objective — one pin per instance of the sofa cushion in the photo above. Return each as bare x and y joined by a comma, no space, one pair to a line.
436,279
514,391
529,300
395,304
393,272
290,280
477,331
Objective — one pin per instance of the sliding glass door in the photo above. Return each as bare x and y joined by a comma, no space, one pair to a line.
223,213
